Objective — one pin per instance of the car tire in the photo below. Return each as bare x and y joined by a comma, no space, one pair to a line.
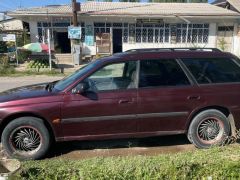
26,138
208,128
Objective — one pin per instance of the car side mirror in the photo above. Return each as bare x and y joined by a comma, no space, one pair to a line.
80,88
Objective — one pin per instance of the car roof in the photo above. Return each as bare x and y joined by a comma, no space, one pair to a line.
168,53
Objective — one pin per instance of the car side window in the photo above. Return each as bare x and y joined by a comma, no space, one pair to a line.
114,77
164,72
213,70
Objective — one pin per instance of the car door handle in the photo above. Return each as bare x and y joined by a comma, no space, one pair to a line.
194,97
125,101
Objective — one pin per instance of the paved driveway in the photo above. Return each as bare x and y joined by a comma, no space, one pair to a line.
12,82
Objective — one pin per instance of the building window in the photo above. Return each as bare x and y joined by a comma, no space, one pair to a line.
150,33
197,33
157,33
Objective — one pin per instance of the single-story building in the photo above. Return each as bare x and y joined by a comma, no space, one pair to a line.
110,27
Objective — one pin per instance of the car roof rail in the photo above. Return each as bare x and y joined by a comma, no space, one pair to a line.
173,49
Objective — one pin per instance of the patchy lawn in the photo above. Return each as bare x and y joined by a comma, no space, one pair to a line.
214,163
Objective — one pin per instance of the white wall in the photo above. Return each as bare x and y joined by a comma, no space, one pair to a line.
236,39
212,41
34,31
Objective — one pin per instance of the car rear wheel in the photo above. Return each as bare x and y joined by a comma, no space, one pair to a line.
26,138
208,128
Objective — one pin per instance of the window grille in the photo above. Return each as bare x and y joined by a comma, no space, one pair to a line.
197,33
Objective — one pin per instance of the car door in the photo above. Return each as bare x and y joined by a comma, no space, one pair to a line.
107,108
166,97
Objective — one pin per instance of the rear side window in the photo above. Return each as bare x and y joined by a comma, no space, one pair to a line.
164,72
217,70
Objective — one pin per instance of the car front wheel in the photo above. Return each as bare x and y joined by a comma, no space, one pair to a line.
208,128
26,138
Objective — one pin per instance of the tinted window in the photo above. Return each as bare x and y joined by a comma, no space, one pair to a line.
113,77
213,70
164,72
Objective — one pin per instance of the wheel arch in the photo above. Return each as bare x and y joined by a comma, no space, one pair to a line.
11,117
222,109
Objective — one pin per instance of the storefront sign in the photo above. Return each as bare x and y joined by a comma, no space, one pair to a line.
89,35
74,32
8,37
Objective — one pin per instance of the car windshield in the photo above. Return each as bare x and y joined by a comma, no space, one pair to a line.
65,82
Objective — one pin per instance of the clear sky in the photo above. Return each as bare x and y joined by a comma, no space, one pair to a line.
6,5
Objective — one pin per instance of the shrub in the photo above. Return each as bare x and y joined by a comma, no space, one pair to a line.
6,70
23,56
3,60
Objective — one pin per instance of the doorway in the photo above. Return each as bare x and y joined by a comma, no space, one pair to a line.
225,38
117,40
62,43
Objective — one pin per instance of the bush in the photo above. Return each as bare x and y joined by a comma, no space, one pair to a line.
4,60
6,70
23,56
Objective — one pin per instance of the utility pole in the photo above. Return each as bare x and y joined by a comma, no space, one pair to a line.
74,11
76,46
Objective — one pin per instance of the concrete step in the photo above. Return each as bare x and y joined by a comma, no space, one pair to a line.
63,58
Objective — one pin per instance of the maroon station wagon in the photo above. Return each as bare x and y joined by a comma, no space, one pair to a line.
138,93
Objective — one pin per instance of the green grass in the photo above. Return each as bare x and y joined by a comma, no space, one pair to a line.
215,163
11,72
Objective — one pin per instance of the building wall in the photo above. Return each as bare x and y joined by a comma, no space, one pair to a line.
212,38
33,31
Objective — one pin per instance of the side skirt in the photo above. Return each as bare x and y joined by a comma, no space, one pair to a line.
120,136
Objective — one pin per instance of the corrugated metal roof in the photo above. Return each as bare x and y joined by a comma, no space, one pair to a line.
235,4
122,8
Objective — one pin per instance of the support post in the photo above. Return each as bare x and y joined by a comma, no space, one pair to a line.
16,51
49,49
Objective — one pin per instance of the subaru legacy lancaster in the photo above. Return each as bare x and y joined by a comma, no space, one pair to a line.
138,93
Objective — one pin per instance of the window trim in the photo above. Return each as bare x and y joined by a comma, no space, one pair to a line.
157,87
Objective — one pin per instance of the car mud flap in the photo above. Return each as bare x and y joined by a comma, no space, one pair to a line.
233,127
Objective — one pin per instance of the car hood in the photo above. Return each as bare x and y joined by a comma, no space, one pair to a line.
25,92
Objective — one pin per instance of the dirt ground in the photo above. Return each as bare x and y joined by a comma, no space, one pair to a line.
88,149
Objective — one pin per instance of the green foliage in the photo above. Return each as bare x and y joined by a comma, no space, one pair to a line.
5,68
23,56
3,47
222,44
3,60
215,163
